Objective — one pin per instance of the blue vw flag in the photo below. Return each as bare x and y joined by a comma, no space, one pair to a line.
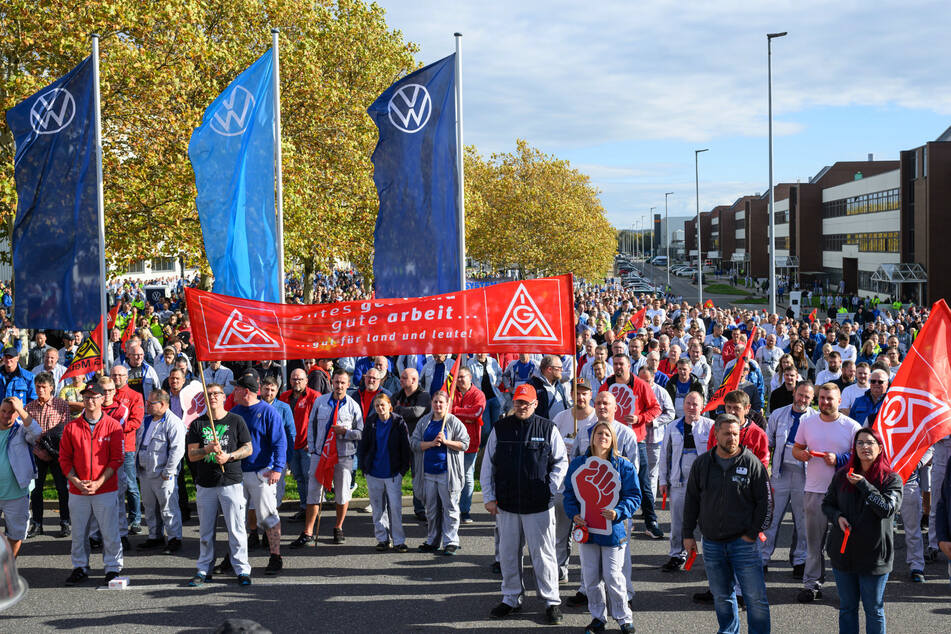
232,153
56,233
416,241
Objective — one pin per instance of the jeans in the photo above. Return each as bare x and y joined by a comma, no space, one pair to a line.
737,559
465,500
132,497
493,408
299,463
644,479
871,589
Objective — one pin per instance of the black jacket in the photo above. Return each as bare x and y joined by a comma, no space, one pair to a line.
728,504
544,399
412,407
695,386
869,511
401,455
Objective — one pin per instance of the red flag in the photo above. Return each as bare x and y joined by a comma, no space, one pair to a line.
129,328
113,315
812,315
708,304
634,323
88,357
328,455
449,386
916,412
732,378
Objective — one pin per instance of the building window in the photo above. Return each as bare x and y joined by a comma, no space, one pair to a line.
163,265
887,200
741,223
782,243
136,267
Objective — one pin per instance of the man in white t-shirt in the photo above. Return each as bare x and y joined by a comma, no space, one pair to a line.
846,350
857,389
833,368
823,442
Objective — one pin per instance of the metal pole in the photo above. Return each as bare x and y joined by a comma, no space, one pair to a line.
772,194
279,192
667,234
460,173
696,170
100,201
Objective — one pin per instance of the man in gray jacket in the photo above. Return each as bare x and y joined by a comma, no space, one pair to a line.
161,449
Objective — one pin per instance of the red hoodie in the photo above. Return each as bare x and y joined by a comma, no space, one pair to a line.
133,401
89,452
468,408
301,411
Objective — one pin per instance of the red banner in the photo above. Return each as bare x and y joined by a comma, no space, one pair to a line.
916,412
534,316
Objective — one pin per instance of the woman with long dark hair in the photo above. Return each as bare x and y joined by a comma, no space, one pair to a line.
861,503
802,362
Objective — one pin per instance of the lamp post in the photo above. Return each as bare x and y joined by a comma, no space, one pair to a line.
772,195
696,169
667,234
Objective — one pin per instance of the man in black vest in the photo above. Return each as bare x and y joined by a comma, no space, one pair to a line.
523,467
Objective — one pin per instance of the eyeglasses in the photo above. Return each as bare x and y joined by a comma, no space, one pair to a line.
155,402
866,443
877,382
215,394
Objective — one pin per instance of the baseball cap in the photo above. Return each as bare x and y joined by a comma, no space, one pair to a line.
248,380
10,351
93,388
524,392
582,383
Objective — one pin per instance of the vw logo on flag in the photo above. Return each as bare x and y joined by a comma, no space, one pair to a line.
235,112
410,107
52,111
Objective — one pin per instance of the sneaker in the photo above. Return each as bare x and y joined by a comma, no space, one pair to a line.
151,542
808,595
112,574
382,547
466,519
365,509
65,530
135,529
274,565
303,540
653,531
401,548
198,580
579,600
244,580
450,550
798,571
299,516
703,597
34,530
254,541
596,626
502,610
496,568
554,615
426,547
224,567
917,576
627,628
562,577
174,545
338,536
673,564
78,576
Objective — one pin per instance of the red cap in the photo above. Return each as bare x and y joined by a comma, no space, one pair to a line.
524,392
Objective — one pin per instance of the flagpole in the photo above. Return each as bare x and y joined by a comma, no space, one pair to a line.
97,115
204,387
460,173
279,197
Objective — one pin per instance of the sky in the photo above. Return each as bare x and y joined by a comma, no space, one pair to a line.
626,91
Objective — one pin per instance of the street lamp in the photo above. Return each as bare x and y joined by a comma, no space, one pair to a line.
772,195
696,169
667,234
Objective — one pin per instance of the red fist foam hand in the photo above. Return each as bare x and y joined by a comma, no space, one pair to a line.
598,487
625,401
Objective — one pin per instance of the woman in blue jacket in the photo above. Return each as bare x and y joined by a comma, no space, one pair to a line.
602,554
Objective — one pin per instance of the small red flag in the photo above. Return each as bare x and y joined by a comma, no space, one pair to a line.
88,357
708,304
812,315
916,412
129,328
328,455
113,314
732,378
634,323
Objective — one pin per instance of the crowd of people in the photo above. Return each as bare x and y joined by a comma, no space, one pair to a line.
794,437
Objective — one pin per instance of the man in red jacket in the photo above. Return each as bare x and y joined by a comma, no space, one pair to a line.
752,436
133,401
90,454
636,407
301,399
468,404
120,413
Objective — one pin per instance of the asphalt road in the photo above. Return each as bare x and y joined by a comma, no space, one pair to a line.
352,588
682,286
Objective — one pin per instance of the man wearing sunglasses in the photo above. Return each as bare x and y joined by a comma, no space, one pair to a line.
865,408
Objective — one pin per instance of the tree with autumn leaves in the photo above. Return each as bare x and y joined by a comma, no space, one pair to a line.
531,211
163,63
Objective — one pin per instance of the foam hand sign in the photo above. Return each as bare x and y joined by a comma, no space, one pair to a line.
598,486
192,398
625,401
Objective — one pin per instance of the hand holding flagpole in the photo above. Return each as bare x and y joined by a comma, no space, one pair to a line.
211,417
